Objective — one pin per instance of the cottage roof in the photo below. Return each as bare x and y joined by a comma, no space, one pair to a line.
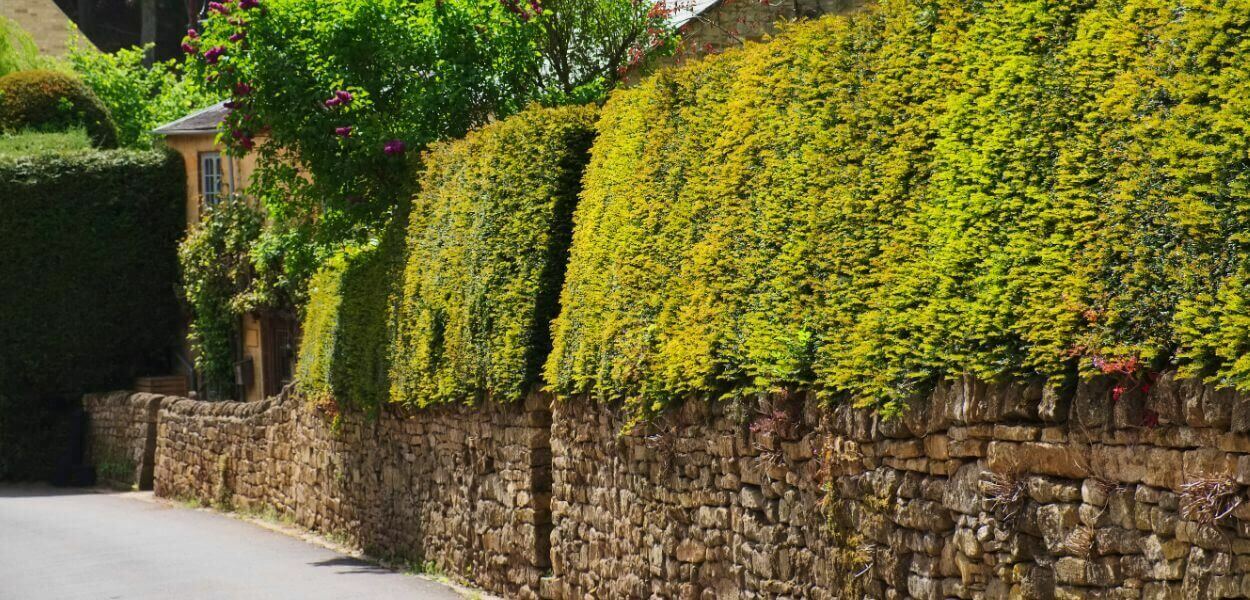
688,10
203,121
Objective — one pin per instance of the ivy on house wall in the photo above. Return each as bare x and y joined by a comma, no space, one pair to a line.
218,275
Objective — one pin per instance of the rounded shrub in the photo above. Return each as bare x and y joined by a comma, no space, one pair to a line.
52,101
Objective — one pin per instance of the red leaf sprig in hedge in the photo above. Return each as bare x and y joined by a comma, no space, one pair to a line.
1130,373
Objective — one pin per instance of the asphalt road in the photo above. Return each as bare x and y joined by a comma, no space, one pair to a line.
78,544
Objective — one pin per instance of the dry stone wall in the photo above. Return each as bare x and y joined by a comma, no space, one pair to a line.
122,444
979,491
466,489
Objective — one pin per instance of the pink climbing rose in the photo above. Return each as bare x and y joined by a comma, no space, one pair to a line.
394,147
212,54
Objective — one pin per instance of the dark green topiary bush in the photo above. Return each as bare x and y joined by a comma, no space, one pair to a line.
868,204
52,101
87,281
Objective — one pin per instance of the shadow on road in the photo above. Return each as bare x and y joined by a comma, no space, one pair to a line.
352,566
40,490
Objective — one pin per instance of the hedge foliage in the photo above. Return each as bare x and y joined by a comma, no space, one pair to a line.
454,302
17,50
87,283
929,188
349,326
42,100
487,246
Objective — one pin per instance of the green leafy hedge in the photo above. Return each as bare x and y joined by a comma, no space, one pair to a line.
42,100
349,325
487,246
481,264
88,276
929,188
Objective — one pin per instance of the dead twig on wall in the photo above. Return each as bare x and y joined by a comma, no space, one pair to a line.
1210,500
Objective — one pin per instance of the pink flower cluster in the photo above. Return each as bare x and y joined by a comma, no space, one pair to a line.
515,7
394,147
340,98
212,55
243,139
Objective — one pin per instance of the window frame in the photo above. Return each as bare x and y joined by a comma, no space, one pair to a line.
215,158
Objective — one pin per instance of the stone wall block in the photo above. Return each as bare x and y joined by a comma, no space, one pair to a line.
1091,406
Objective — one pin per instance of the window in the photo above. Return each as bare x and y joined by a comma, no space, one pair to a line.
210,178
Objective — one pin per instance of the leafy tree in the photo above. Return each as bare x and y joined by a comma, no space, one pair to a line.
17,50
585,46
345,91
139,97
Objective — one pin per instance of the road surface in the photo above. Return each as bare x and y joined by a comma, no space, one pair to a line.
80,544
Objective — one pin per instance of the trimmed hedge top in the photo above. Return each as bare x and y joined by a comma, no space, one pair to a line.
52,101
487,246
929,188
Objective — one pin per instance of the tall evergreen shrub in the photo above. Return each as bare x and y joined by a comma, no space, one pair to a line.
88,274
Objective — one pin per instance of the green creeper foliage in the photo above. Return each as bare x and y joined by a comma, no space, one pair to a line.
487,245
87,284
217,273
349,325
53,101
868,204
